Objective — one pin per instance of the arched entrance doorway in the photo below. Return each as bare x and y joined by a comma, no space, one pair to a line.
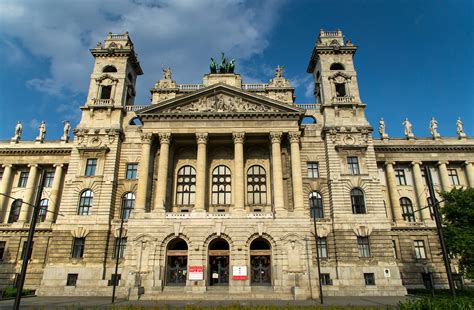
218,262
260,262
176,262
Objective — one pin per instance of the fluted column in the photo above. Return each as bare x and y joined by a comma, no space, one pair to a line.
470,174
294,138
392,192
275,138
5,187
54,201
144,168
419,190
161,182
201,139
443,176
239,195
29,193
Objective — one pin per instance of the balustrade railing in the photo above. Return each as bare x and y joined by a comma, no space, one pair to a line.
308,106
190,87
103,102
343,99
254,87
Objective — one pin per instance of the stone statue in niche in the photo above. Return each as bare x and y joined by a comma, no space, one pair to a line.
434,128
408,129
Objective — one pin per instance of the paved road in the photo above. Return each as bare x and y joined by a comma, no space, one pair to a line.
104,302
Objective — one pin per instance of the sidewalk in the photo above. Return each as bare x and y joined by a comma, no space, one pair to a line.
104,302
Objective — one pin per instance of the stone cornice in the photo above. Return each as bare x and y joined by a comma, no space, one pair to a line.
115,52
222,115
423,148
35,150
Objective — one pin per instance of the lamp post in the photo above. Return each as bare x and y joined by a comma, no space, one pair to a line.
117,256
313,213
435,204
29,243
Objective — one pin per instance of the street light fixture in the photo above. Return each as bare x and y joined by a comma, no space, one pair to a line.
313,215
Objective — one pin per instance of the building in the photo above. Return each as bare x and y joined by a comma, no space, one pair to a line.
214,182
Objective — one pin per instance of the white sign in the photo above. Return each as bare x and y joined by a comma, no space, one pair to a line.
196,272
239,273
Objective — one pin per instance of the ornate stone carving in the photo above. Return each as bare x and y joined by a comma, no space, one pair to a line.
79,232
279,80
275,137
294,136
166,73
165,137
220,103
146,137
201,137
238,137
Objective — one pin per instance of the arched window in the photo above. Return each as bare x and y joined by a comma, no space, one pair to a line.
186,186
221,185
15,211
357,200
43,210
336,66
256,185
109,69
128,204
316,205
176,262
85,202
260,262
407,209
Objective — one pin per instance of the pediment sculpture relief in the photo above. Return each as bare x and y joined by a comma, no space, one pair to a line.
220,103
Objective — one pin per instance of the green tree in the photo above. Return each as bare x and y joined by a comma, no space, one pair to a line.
458,226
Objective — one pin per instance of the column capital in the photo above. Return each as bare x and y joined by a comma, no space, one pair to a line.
33,166
467,163
202,137
58,165
7,166
238,137
165,137
294,136
146,137
443,162
389,163
275,137
416,162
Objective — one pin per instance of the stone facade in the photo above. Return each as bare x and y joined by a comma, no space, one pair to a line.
214,182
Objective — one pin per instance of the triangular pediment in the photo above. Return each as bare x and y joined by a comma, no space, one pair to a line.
220,99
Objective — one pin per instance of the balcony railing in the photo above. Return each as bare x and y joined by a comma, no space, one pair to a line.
190,87
133,108
308,106
103,102
254,87
343,99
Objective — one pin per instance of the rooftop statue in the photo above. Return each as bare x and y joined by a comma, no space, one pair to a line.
66,131
42,132
166,73
408,129
459,129
18,131
226,65
434,128
383,134
279,71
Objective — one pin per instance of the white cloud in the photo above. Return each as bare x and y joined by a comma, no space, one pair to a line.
182,34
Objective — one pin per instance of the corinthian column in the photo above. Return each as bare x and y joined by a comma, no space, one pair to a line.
419,190
239,200
443,176
161,182
54,201
144,169
296,170
29,194
470,174
392,192
201,139
275,138
5,187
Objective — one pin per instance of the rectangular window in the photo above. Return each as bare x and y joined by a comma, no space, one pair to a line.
78,247
115,278
3,245
322,247
48,178
400,176
394,248
369,279
23,179
353,165
313,170
71,279
453,176
23,249
326,279
420,252
119,247
131,171
364,246
91,165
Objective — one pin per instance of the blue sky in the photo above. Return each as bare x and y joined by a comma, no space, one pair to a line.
415,58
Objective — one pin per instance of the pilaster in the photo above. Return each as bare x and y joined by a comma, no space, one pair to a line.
201,139
239,196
